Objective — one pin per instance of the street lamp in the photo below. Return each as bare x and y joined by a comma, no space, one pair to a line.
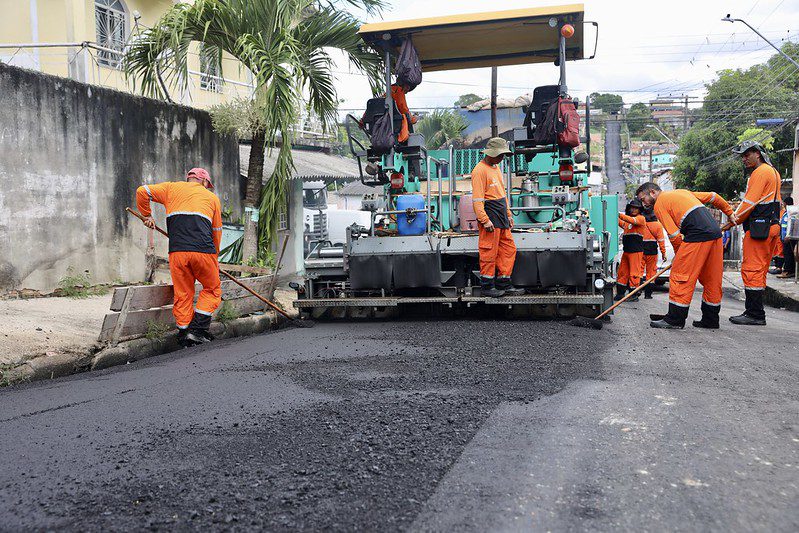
663,134
789,58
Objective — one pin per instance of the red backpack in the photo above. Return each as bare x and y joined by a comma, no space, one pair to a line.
569,127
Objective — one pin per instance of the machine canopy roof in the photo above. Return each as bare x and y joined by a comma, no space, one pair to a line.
497,38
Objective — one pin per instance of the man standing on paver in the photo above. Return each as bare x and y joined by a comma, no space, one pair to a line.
194,224
699,255
759,213
496,247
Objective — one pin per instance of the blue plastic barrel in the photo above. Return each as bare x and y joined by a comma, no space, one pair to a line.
414,224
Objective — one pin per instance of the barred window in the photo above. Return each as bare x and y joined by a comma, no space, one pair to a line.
111,20
283,216
210,68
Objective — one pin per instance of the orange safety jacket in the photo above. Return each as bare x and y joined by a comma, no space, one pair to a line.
683,211
653,238
488,196
633,238
762,193
193,214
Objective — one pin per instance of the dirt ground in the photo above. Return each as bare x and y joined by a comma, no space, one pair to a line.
39,326
42,326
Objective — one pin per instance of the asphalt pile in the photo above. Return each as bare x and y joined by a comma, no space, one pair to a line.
400,407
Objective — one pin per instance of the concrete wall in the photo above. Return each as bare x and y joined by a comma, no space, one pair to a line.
293,266
71,158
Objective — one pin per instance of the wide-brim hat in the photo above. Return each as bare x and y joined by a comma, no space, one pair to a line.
752,145
496,147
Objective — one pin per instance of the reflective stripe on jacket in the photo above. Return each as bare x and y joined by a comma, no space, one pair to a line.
193,214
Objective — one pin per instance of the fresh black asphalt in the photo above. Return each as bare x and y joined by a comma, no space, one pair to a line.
420,425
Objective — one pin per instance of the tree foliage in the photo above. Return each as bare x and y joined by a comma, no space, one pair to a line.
286,46
734,102
467,99
442,128
607,102
638,117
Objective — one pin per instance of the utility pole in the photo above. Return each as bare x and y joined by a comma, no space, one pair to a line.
685,115
795,173
494,127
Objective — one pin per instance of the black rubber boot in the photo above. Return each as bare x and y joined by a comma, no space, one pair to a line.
503,284
198,329
621,290
182,340
674,319
635,296
755,314
710,317
648,290
487,288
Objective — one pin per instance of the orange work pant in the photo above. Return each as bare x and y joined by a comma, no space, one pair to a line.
649,266
697,261
186,267
497,252
757,258
630,268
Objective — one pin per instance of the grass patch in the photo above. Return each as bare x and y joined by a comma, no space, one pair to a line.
156,330
80,285
5,381
226,313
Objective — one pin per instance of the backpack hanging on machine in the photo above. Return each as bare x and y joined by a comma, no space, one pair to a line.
383,138
569,123
546,131
560,125
408,67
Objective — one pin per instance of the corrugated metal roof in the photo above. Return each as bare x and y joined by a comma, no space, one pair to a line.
308,165
356,188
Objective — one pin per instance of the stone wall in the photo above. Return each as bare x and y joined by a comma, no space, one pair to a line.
71,158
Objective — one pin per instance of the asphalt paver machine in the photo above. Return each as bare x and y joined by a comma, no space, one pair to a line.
421,248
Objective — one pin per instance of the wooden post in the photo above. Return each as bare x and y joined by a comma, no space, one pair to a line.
494,127
123,315
149,257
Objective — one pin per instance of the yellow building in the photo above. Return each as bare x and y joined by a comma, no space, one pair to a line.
85,39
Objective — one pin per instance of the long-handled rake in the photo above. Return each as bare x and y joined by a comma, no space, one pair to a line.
596,323
296,321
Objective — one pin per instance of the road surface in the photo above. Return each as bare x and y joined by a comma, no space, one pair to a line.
422,426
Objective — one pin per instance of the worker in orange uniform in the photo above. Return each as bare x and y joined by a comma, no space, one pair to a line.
194,224
759,213
653,240
496,247
633,223
398,93
699,253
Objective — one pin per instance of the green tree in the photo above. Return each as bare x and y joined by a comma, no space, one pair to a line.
442,128
733,102
285,44
638,117
467,99
607,102
762,136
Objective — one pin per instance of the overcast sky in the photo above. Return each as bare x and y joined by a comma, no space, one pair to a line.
646,49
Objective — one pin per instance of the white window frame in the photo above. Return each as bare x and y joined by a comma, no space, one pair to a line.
111,16
283,215
210,69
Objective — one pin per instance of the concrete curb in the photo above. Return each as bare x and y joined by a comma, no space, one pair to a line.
772,296
775,298
49,367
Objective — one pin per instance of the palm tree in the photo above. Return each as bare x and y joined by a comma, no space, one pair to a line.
286,45
442,128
